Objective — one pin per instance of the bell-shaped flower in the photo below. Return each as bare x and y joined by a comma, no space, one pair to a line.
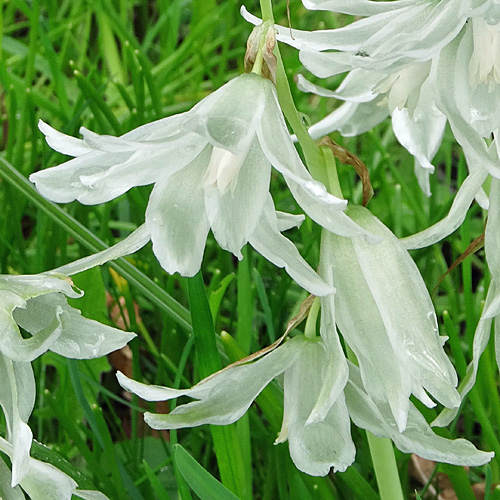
385,314
315,424
418,437
38,304
422,62
42,481
211,169
316,414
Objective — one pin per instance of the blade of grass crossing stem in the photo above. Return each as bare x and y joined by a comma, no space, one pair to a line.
227,450
357,484
200,481
459,480
156,486
151,290
268,314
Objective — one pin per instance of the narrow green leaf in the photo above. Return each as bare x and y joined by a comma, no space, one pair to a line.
227,449
158,489
200,481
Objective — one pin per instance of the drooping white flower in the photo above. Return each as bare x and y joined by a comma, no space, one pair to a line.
316,413
42,481
384,312
211,170
38,304
418,437
316,426
421,61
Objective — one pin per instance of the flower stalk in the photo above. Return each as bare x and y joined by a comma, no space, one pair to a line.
312,153
322,166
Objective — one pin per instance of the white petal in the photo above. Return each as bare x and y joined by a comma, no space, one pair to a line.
421,132
271,244
492,232
325,64
62,184
288,221
481,338
227,118
63,143
115,164
357,86
234,214
458,211
417,438
176,218
6,490
351,119
45,482
12,344
317,446
356,7
17,398
311,195
406,309
383,366
482,199
133,242
79,337
145,165
475,148
334,375
231,391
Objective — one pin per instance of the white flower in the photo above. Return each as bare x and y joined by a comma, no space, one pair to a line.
385,314
42,481
316,414
418,437
211,169
38,304
420,61
316,425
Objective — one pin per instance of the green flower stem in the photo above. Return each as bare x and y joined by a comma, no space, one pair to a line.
322,166
333,183
311,151
310,328
386,469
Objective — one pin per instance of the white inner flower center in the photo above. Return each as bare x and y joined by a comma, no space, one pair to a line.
484,66
403,88
223,168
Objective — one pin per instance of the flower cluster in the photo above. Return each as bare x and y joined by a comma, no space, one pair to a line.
378,342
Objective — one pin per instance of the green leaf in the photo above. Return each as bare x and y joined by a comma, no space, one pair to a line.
200,481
